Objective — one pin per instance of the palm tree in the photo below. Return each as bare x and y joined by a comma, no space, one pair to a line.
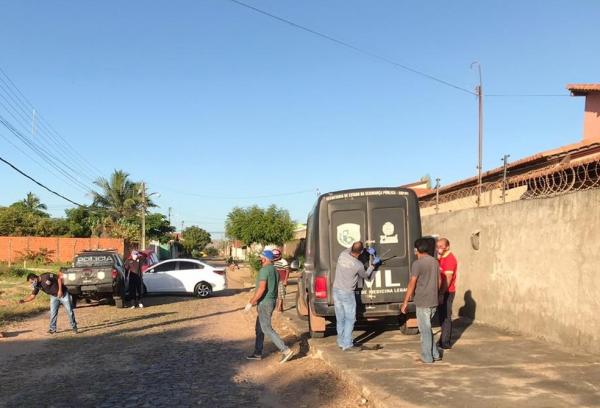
119,196
33,204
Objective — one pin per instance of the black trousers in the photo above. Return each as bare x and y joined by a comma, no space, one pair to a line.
135,288
446,319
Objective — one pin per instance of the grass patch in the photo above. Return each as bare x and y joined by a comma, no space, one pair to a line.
13,287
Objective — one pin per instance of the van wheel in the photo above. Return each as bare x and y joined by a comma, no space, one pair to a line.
315,322
408,326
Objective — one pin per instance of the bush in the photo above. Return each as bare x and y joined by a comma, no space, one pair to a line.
13,271
254,262
42,256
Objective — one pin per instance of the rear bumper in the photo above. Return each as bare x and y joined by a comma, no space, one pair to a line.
90,290
363,310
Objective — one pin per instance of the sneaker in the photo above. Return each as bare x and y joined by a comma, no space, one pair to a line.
74,330
132,307
51,331
254,357
286,356
351,349
141,306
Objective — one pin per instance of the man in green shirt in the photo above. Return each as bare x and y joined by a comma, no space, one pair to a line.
264,298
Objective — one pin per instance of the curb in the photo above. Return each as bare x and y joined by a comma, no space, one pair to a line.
375,394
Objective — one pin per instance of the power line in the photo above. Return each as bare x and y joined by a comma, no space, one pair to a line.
43,154
52,134
38,183
353,47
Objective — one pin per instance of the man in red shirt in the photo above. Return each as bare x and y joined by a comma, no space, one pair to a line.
448,267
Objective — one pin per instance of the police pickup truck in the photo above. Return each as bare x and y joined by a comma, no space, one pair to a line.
96,275
386,219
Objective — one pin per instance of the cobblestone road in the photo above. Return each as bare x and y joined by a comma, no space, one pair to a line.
178,351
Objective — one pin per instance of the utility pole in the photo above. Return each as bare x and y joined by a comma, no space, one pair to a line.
143,216
437,195
170,215
504,173
479,94
182,223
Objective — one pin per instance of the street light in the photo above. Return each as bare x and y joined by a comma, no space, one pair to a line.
144,207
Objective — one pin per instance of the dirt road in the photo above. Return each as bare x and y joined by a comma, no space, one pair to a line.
178,351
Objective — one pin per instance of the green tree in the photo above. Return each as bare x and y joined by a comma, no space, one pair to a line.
80,221
119,197
158,227
195,239
257,225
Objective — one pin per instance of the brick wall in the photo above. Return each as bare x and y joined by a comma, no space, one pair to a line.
64,248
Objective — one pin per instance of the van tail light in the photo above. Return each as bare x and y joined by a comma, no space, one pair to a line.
321,287
219,272
115,273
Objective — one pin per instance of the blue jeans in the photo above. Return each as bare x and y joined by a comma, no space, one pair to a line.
263,326
66,302
429,350
345,316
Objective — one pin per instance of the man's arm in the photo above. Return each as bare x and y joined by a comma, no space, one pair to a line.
59,276
412,283
260,290
365,274
27,299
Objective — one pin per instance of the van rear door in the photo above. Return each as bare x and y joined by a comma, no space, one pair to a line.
380,221
388,233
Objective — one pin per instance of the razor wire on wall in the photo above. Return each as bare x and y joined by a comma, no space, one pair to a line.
547,182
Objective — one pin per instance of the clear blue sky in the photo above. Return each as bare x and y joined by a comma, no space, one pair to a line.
210,98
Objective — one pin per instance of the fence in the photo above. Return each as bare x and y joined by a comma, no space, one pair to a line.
542,183
60,249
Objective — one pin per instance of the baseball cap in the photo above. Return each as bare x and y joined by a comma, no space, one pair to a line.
267,254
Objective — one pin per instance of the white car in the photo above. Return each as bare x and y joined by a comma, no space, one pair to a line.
184,276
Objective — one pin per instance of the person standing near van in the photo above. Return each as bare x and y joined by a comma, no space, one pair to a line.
424,283
448,267
133,268
264,298
283,271
347,271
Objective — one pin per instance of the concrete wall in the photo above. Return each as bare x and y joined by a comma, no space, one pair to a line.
538,267
491,197
64,248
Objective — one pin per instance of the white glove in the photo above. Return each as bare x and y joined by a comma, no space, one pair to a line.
248,307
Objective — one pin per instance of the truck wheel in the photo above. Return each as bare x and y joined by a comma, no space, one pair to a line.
301,308
119,302
74,300
317,323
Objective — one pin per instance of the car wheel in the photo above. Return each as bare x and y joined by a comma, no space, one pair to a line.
203,290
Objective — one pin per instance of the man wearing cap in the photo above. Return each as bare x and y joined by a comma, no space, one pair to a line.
264,298
133,268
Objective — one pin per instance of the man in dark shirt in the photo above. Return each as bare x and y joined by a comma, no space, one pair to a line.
425,283
133,268
52,285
